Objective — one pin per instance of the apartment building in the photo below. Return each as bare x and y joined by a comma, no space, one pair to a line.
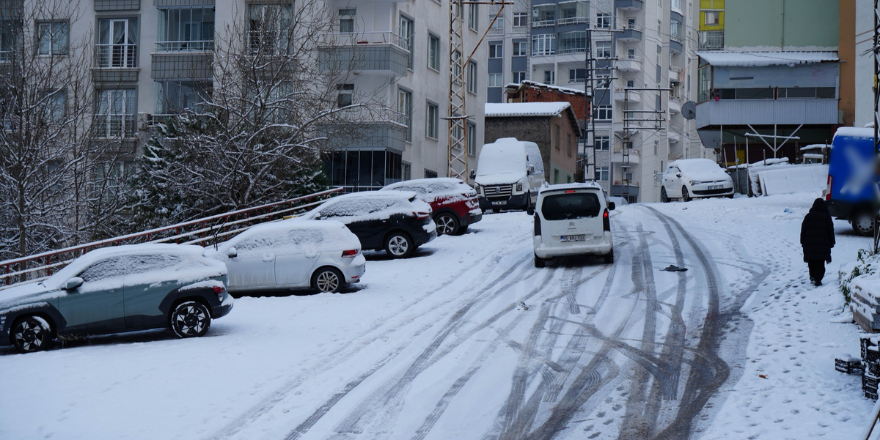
508,48
154,57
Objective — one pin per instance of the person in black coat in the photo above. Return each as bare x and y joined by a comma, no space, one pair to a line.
817,239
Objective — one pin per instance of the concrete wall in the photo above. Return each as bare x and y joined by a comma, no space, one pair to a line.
782,24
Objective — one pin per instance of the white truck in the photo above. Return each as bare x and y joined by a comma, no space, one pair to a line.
509,175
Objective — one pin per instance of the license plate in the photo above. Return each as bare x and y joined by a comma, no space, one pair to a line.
569,238
498,203
715,187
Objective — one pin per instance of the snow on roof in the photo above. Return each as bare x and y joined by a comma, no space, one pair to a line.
758,59
547,86
855,132
526,109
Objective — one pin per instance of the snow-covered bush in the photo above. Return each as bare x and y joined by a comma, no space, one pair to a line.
865,265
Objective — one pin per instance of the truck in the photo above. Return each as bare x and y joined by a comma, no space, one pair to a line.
853,178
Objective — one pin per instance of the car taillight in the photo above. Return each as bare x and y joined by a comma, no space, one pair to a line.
349,253
606,222
537,225
421,215
828,189
219,289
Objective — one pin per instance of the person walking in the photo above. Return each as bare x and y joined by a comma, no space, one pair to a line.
817,239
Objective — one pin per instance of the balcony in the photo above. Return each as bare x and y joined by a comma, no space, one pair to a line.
384,52
367,127
629,35
115,126
628,5
115,63
182,60
621,189
633,96
767,111
633,158
185,46
673,136
571,20
675,44
674,106
712,40
630,64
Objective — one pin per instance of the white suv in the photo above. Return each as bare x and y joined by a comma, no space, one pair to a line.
572,219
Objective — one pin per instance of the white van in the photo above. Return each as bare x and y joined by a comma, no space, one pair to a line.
572,219
509,175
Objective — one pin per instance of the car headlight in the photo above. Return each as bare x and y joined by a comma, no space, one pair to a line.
519,185
478,188
693,182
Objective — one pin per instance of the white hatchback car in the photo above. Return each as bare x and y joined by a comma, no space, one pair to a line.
692,178
295,253
572,219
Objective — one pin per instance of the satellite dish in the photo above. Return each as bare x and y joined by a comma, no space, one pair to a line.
689,110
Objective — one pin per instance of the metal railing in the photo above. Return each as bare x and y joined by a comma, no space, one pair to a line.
365,38
711,40
185,46
38,267
361,114
115,126
116,56
572,20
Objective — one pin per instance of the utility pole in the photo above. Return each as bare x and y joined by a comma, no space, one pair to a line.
590,90
876,50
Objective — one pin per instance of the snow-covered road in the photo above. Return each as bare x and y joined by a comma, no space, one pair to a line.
467,340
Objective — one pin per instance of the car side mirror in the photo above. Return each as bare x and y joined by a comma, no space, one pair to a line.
677,174
473,174
611,206
530,210
73,283
232,252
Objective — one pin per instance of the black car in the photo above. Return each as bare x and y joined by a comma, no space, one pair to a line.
395,221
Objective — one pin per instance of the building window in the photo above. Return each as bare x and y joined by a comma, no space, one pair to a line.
556,175
576,75
631,23
603,21
556,138
544,15
115,116
496,80
572,42
346,20
631,54
345,93
433,120
407,171
519,48
53,38
602,113
602,143
550,77
676,4
471,139
630,83
364,170
675,30
186,29
117,42
568,144
573,13
496,50
473,17
430,174
406,32
270,27
434,52
499,22
542,44
405,106
603,49
472,77
520,19
518,77
602,174
177,96
711,18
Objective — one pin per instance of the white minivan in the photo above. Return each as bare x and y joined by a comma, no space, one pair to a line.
572,219
509,175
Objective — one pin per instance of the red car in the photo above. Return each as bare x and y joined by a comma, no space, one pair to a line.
454,203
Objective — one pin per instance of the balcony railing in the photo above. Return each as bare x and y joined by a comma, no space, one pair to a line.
368,114
572,20
185,46
365,38
117,56
115,126
564,50
543,23
712,40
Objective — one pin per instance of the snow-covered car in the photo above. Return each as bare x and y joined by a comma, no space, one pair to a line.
290,254
118,289
572,219
688,179
454,203
396,221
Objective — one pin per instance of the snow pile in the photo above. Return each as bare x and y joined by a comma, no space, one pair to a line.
860,286
367,206
526,109
285,236
429,190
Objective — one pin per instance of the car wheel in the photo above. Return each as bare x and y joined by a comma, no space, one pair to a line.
31,333
663,197
863,223
447,224
609,257
190,319
540,262
684,194
327,280
399,245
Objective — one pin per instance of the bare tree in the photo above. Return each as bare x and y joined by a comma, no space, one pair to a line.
258,133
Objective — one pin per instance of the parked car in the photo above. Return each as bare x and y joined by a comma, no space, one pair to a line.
396,221
453,202
688,179
852,179
118,289
292,254
572,219
509,175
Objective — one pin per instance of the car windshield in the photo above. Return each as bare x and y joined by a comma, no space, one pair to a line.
570,206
